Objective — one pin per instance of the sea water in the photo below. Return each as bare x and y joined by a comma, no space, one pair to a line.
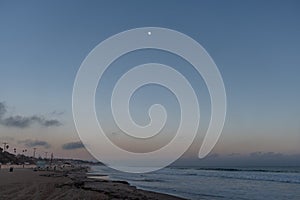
215,182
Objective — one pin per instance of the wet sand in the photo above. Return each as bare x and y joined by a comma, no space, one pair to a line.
29,184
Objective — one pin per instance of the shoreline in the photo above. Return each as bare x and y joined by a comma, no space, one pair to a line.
25,183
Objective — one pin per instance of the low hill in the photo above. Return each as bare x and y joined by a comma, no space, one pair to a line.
6,157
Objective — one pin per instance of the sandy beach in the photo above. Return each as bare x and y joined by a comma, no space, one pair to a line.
70,184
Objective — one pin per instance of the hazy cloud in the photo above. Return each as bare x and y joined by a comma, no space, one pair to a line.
73,145
266,155
25,121
213,155
251,159
57,113
35,143
2,109
234,154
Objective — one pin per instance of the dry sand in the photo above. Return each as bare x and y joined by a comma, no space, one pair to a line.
28,184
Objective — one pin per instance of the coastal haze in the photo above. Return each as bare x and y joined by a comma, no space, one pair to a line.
255,46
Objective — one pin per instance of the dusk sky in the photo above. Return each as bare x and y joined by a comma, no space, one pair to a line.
255,45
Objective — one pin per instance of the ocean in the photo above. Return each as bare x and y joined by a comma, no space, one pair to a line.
216,182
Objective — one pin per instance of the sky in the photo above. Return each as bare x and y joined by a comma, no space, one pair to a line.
255,45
